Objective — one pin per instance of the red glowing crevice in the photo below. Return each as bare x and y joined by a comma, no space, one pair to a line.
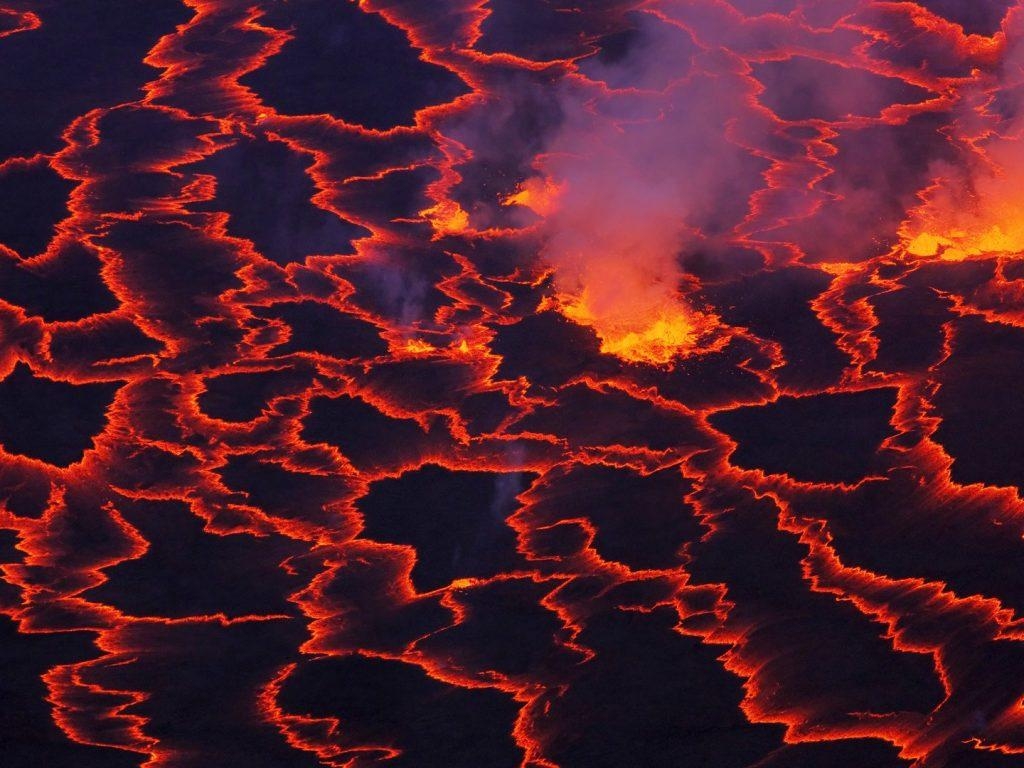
415,354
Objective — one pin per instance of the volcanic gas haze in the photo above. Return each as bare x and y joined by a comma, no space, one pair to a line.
614,250
511,383
636,176
975,206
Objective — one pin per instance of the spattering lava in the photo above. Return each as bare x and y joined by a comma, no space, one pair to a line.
636,314
653,333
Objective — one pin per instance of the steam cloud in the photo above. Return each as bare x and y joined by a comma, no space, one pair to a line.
975,204
642,169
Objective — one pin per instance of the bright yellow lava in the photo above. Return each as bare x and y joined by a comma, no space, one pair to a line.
654,335
612,279
540,195
958,245
419,347
954,225
447,218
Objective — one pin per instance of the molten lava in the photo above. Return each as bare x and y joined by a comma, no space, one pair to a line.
975,208
992,224
614,273
654,332
538,193
511,383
